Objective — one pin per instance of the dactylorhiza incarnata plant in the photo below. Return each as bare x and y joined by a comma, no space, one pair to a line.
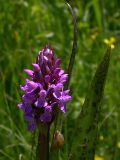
44,94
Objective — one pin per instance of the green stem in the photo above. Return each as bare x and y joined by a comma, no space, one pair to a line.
55,126
42,152
74,47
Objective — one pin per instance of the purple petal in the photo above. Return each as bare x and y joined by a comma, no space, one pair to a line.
29,118
31,126
62,108
27,109
47,78
45,58
66,99
53,104
43,93
41,102
46,117
58,87
48,52
40,58
61,72
66,92
23,87
57,95
57,71
57,62
48,108
52,86
63,78
32,85
29,86
20,105
29,98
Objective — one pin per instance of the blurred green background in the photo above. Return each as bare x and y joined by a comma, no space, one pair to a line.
25,27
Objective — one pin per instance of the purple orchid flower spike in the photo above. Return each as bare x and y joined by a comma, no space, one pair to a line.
45,90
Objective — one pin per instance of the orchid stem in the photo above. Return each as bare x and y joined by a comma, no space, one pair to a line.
42,152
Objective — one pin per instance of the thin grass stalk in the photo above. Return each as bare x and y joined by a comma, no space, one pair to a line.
74,47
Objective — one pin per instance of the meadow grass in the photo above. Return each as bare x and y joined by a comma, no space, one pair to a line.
25,27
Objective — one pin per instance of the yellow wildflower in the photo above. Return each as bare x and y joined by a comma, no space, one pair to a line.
118,144
110,42
98,158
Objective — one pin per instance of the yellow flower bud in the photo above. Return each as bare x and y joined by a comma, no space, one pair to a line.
110,42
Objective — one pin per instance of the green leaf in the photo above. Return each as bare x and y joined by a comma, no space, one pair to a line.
86,130
97,11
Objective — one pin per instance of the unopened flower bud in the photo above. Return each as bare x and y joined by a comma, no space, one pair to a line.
58,141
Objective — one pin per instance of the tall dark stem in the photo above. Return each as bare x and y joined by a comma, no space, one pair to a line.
74,47
42,152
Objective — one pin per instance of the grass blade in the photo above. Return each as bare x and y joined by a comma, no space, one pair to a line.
87,123
97,11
